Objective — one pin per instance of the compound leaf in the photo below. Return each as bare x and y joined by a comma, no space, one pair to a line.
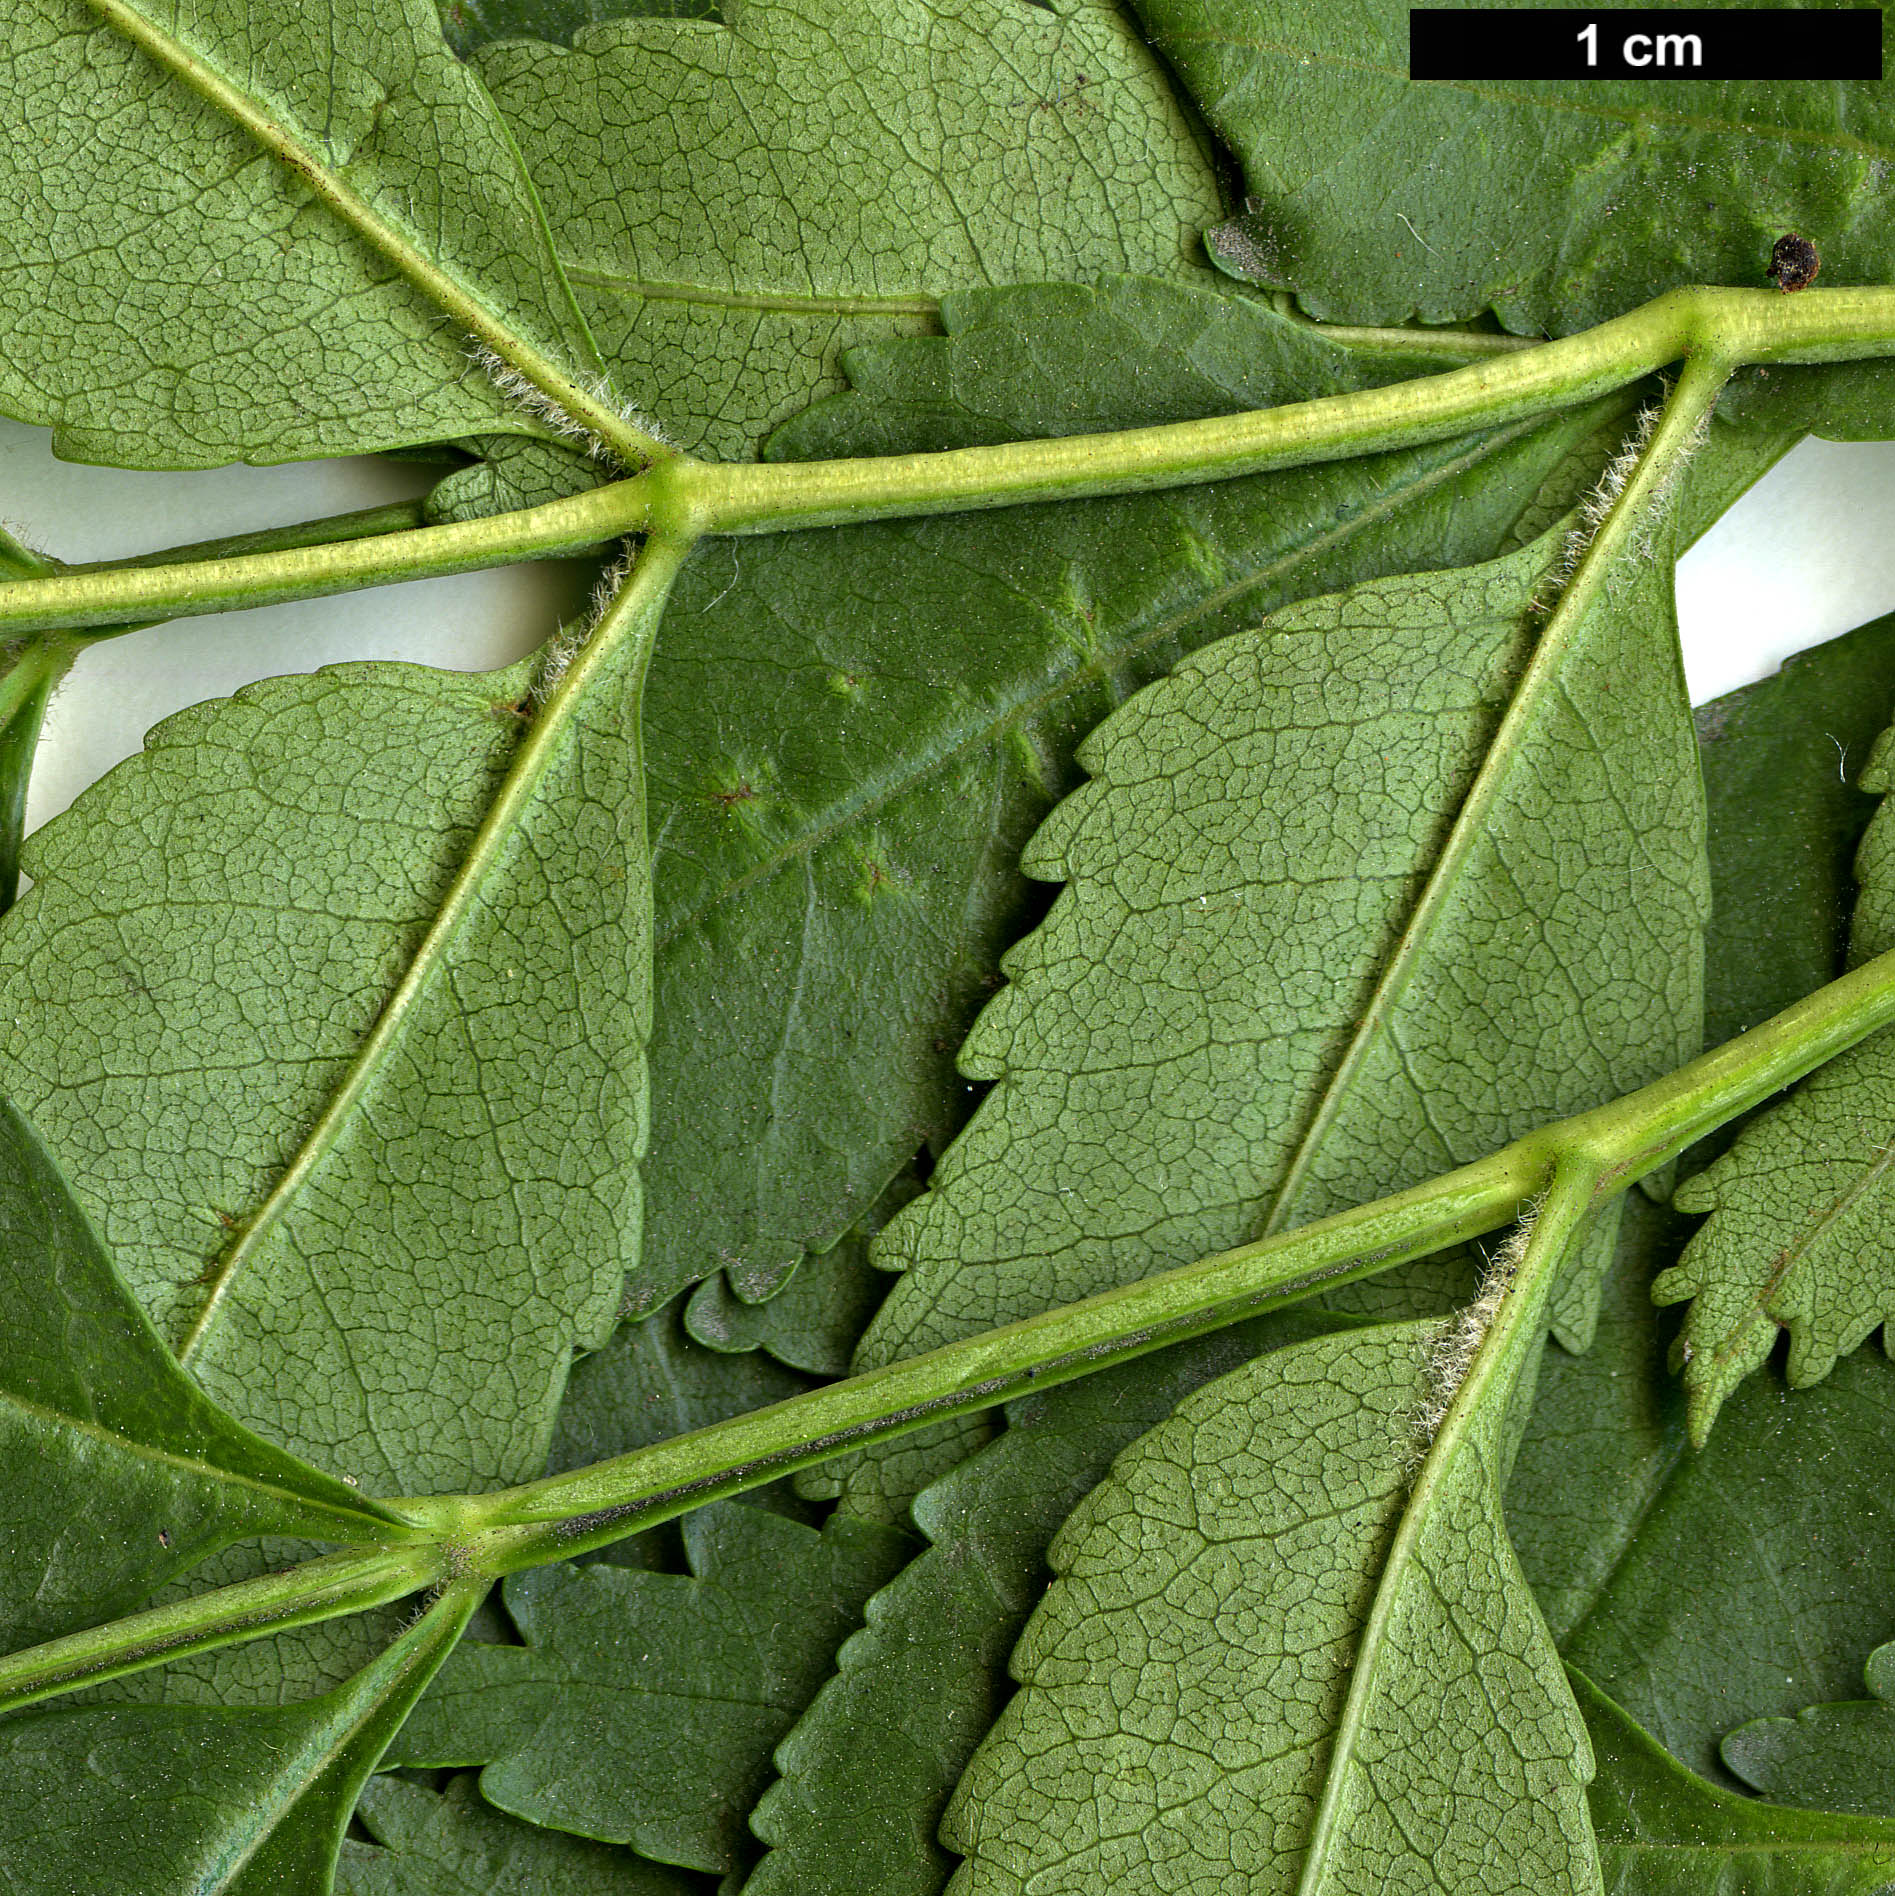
406,1078
1326,932
1183,1682
147,1800
644,1706
836,879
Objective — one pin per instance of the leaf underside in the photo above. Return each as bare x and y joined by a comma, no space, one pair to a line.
122,1474
479,1160
426,1845
286,334
835,881
853,734
644,1707
868,1769
1288,973
1182,1680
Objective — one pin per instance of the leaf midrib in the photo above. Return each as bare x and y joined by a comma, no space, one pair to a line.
454,298
1465,833
622,283
627,616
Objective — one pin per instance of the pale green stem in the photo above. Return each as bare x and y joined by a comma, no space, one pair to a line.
318,1590
685,498
1734,325
360,523
77,601
1611,1146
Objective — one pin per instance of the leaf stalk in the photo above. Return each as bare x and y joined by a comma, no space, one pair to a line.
467,1536
685,498
320,1589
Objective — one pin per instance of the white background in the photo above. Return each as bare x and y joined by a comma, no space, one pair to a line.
1807,553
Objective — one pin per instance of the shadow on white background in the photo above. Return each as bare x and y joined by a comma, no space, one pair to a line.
1806,554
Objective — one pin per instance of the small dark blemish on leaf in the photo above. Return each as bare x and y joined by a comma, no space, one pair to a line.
738,793
164,1537
1794,262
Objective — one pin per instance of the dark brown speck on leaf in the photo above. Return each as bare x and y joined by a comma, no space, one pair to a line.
1794,262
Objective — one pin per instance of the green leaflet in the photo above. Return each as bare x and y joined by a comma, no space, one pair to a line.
1796,1241
454,1844
868,1768
735,200
1800,1202
1556,204
1323,936
1701,1588
1183,1679
1780,758
1839,1756
1664,1832
150,1800
291,328
121,1473
407,1075
835,880
644,1707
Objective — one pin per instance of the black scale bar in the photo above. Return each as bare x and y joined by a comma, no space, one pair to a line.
1760,43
